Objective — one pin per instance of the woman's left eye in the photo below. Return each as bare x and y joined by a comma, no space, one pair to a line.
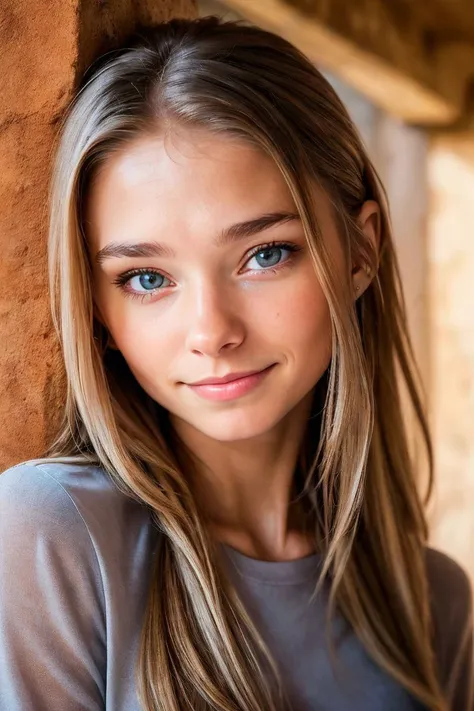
270,255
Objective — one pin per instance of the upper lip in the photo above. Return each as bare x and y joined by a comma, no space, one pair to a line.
227,378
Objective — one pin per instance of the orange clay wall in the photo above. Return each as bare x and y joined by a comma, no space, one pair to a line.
46,44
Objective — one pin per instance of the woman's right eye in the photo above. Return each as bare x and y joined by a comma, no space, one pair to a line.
148,279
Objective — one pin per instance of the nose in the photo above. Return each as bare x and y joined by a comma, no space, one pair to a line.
214,322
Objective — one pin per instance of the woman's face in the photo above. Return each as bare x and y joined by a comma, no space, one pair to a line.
211,298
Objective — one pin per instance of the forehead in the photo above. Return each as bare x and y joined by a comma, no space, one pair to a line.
183,180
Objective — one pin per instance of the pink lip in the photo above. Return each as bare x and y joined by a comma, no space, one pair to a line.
220,391
226,379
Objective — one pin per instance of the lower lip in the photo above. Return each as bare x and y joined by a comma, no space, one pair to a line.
232,390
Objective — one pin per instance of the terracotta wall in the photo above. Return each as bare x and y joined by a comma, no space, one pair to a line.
44,44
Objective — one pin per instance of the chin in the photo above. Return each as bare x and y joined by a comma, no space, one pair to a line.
234,427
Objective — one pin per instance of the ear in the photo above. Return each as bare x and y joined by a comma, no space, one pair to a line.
369,220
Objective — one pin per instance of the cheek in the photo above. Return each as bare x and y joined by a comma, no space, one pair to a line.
148,344
301,317
150,359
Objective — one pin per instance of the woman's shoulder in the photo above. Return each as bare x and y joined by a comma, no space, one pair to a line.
449,582
451,594
45,495
57,498
37,476
80,549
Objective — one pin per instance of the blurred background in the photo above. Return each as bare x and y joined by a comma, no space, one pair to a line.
405,70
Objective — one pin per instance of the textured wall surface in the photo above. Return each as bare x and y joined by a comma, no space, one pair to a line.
44,45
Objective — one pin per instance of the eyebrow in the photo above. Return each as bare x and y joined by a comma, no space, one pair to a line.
234,233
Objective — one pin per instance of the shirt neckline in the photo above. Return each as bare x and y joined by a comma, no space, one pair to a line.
279,572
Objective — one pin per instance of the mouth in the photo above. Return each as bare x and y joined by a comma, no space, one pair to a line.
230,377
231,389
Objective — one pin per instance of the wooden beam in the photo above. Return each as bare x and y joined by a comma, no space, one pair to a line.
371,46
451,18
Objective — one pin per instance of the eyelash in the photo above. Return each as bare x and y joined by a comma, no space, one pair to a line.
122,279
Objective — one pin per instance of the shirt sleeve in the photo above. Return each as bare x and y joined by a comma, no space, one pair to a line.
453,618
52,619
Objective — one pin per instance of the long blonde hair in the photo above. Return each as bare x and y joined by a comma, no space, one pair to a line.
357,472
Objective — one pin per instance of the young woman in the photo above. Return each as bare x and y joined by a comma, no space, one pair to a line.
229,517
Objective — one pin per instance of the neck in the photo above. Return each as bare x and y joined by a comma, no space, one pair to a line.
246,490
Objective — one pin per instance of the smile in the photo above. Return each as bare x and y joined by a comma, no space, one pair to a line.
233,389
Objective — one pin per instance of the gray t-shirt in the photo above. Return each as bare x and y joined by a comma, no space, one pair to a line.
75,558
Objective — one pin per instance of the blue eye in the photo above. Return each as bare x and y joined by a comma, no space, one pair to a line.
149,279
270,255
